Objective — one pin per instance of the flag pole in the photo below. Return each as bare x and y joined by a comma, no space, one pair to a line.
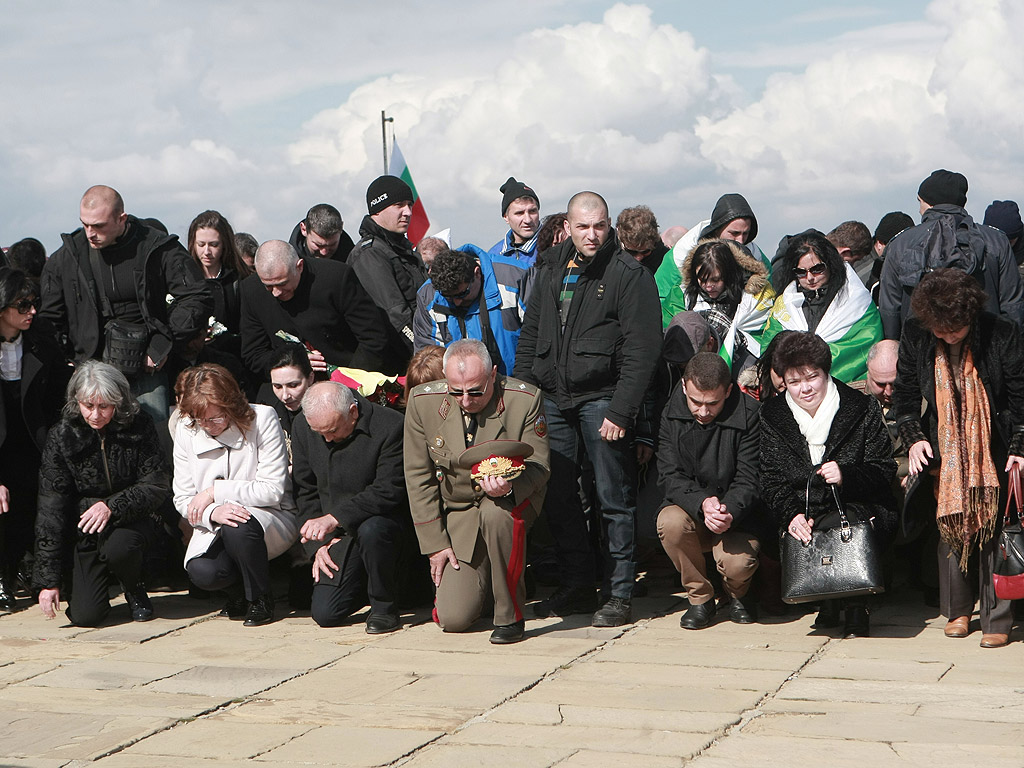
384,120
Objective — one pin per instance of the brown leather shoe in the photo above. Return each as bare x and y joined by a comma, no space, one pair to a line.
994,639
958,627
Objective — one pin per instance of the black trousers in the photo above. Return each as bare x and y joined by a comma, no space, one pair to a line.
957,592
96,556
237,554
368,569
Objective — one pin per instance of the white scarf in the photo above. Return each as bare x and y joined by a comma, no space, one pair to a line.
815,428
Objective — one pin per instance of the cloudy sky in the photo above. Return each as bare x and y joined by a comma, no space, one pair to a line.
817,112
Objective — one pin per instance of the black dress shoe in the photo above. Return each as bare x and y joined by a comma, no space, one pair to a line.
565,601
698,616
508,633
261,611
617,612
856,622
828,615
382,623
6,596
742,612
235,608
138,603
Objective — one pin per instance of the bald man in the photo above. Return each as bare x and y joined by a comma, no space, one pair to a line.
320,302
591,341
115,267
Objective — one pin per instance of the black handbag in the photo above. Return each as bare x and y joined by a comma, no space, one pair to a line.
843,561
1008,573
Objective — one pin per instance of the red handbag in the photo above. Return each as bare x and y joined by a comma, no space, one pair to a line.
1008,573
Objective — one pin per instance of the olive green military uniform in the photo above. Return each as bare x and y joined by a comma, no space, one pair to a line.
449,508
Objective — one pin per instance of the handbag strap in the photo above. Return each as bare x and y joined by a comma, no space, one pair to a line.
844,522
1014,496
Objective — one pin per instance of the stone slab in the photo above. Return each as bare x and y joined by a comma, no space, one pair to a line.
213,738
893,670
444,755
595,670
612,717
634,741
378,714
115,701
652,697
350,746
226,682
478,692
704,656
343,685
68,736
586,758
884,727
100,674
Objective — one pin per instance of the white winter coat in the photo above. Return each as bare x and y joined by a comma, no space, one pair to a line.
250,470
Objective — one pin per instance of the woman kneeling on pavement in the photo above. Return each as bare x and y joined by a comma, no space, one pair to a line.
968,365
824,427
102,482
231,483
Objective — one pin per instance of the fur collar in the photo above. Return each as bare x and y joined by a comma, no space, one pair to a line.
756,271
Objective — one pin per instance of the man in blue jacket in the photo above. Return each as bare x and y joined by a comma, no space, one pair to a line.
462,300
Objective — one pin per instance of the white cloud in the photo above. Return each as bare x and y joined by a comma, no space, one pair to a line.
262,109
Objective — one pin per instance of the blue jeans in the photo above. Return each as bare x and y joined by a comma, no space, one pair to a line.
570,433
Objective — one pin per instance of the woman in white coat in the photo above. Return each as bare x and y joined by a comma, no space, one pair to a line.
231,483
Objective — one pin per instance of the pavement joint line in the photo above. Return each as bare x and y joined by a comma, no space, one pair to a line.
289,740
757,711
949,669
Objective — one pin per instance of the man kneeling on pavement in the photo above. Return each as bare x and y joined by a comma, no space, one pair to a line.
473,524
350,490
707,464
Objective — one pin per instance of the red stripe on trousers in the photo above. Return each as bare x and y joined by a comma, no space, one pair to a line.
515,561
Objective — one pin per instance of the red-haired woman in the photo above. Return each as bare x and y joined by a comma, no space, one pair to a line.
231,483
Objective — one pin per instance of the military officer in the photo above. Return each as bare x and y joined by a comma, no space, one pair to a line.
474,530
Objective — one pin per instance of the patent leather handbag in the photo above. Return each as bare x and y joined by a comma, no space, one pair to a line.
1008,572
842,561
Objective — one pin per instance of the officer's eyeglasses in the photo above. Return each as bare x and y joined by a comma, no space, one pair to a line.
817,269
216,421
466,392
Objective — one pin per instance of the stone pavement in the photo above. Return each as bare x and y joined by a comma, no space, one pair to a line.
192,689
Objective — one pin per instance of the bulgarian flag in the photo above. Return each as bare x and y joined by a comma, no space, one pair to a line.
851,325
420,223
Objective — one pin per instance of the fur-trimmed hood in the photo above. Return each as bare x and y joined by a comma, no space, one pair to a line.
757,272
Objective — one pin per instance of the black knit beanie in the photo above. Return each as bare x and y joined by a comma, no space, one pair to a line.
512,190
385,191
1004,215
944,187
891,225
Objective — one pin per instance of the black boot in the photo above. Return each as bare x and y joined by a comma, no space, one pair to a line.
261,611
856,622
828,615
138,602
6,594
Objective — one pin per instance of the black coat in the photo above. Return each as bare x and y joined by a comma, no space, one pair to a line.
719,459
905,262
998,352
391,273
612,338
70,299
44,375
329,310
298,242
858,441
356,479
123,466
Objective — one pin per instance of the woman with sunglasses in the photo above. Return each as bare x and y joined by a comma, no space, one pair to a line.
231,483
32,378
822,294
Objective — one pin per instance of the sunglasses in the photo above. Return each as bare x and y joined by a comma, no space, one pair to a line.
457,393
25,305
458,296
817,269
216,421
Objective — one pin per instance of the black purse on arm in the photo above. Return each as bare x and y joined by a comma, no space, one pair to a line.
843,561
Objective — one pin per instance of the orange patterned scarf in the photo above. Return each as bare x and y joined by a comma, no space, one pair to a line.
968,499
